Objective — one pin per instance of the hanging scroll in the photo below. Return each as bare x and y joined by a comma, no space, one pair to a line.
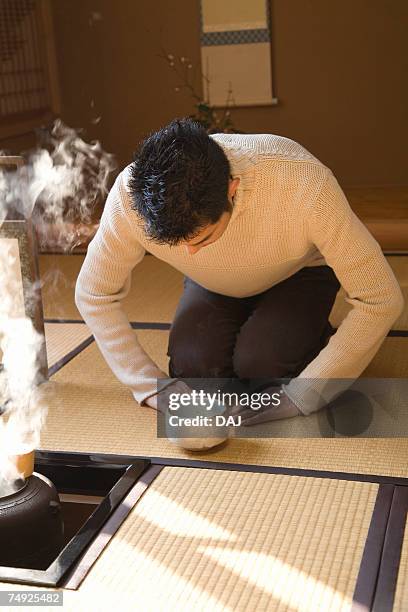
236,52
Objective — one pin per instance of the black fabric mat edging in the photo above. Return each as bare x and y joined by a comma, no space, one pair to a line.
266,469
134,324
393,333
76,321
366,584
240,467
395,253
391,554
398,333
69,356
148,325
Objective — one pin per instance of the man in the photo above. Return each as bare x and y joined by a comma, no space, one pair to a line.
265,237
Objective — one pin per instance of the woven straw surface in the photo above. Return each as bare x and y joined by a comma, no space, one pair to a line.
62,338
200,539
229,541
401,594
104,417
156,289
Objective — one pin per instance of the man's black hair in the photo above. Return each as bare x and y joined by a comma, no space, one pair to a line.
179,182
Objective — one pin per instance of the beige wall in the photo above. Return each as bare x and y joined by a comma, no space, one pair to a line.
339,71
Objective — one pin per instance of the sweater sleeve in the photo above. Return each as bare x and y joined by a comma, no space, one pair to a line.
371,288
104,280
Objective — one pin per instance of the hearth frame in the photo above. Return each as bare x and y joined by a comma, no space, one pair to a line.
124,476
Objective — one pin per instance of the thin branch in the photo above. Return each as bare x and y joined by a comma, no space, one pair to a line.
205,113
183,77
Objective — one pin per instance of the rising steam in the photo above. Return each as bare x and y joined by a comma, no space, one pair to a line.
57,189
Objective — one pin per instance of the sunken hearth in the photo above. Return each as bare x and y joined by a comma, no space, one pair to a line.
53,517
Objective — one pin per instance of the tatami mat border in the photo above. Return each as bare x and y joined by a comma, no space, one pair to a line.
398,333
141,325
390,559
134,324
366,584
395,253
240,467
46,252
67,321
64,360
393,333
267,469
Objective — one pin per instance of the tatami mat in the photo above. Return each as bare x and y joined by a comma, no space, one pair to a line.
401,593
156,289
90,410
228,541
209,540
62,338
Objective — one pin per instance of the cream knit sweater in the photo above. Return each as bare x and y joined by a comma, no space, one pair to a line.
289,212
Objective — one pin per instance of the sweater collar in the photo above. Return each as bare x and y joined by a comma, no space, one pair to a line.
242,162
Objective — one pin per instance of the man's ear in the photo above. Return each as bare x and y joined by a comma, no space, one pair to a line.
232,186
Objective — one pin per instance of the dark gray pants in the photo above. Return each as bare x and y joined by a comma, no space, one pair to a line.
273,334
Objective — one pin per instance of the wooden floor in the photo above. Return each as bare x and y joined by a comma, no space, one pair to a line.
384,210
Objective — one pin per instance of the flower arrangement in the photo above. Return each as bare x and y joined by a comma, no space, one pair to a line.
214,120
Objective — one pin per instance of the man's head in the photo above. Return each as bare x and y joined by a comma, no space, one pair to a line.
181,186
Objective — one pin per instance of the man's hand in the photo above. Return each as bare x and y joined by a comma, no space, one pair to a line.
286,409
184,436
178,386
